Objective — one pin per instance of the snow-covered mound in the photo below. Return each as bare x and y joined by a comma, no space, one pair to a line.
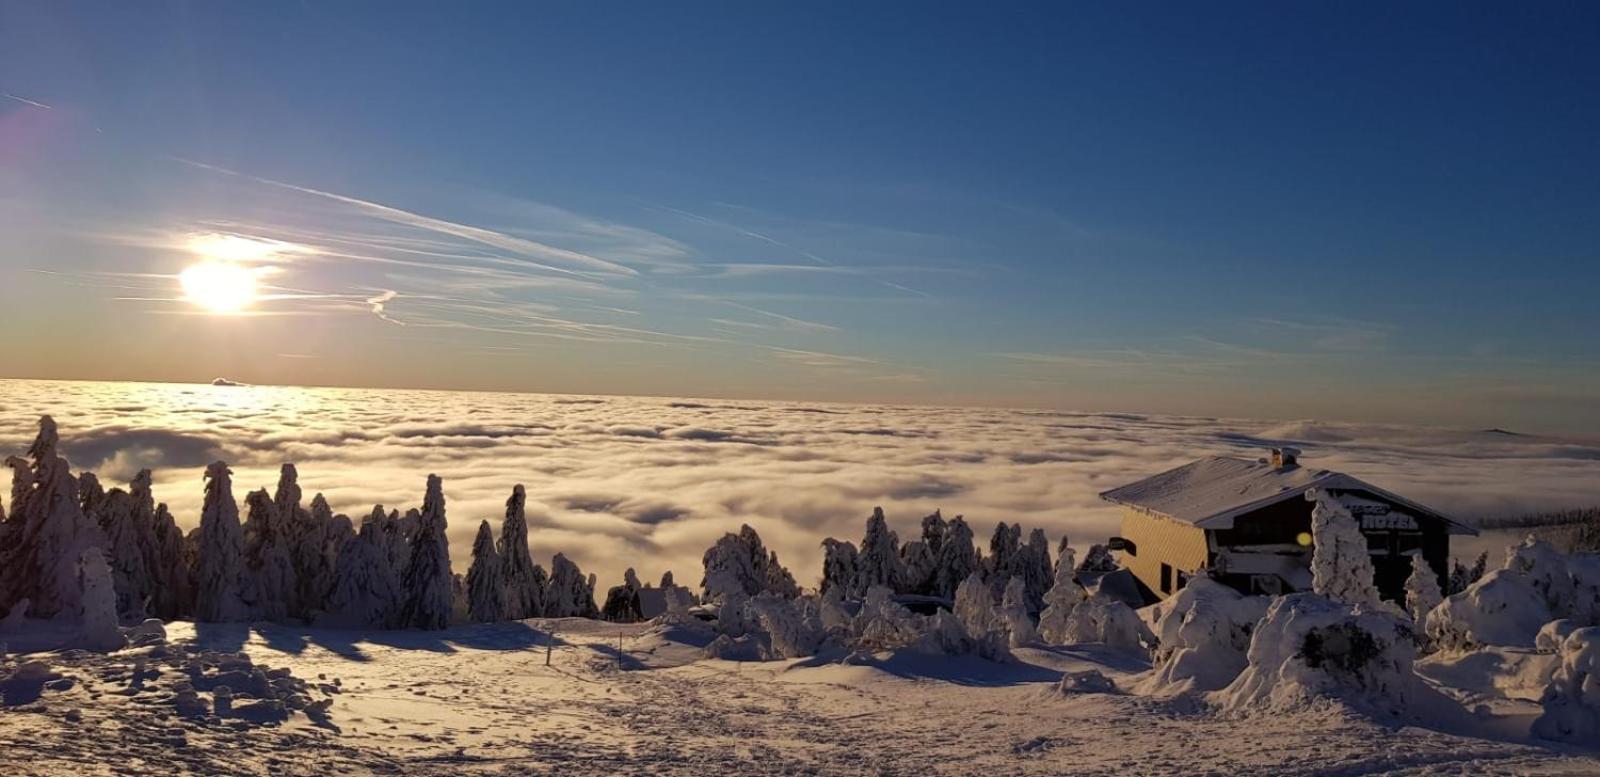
1503,608
1101,619
1202,637
1572,701
1309,647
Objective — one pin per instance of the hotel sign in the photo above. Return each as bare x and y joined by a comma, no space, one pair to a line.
1381,518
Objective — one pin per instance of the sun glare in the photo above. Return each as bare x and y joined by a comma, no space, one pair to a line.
221,287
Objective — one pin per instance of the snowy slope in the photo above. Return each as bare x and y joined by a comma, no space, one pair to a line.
480,699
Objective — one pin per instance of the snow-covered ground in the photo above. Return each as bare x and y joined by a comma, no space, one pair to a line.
481,699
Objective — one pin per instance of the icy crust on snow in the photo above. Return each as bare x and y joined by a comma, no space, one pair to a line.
1202,637
1309,647
1572,701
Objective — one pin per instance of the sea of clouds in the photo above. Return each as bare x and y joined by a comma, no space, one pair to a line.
651,482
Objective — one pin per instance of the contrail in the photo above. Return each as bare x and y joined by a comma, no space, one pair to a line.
26,101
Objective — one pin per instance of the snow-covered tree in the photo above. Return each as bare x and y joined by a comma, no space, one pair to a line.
622,601
878,563
92,499
739,562
919,559
366,590
1005,544
839,567
666,579
485,584
524,591
396,539
269,586
127,540
1340,567
219,553
1105,620
957,559
569,593
97,616
1035,569
1063,597
315,555
1014,611
427,583
1572,699
1422,589
173,574
1098,560
974,606
49,531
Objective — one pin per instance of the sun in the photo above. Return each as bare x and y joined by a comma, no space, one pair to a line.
218,286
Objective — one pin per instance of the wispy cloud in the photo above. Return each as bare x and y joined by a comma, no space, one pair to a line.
26,101
488,237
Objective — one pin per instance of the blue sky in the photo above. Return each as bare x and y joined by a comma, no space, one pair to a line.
1348,211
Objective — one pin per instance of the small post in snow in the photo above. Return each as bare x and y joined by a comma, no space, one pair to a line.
549,644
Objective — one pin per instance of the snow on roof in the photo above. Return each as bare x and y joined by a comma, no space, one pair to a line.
1211,492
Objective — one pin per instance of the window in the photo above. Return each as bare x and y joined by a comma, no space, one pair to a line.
1166,578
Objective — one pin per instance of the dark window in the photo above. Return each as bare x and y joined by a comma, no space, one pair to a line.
1166,578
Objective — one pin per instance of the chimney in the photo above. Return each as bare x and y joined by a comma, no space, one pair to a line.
1285,458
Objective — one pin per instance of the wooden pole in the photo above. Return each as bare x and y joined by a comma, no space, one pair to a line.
549,644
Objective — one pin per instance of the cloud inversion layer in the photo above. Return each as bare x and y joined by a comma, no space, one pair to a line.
650,483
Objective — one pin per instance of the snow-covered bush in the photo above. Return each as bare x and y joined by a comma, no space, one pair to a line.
793,626
1572,700
1422,590
1546,570
1309,646
1503,608
1203,637
1340,566
1086,681
1105,620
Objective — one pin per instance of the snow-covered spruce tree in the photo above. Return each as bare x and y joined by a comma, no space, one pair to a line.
958,558
839,568
974,606
1063,597
315,555
739,562
920,558
219,552
1098,560
1002,564
92,499
97,607
524,591
485,584
127,541
569,593
1422,590
1014,611
427,581
878,563
49,532
666,579
170,564
622,601
1340,567
97,615
269,566
366,590
396,542
1035,569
